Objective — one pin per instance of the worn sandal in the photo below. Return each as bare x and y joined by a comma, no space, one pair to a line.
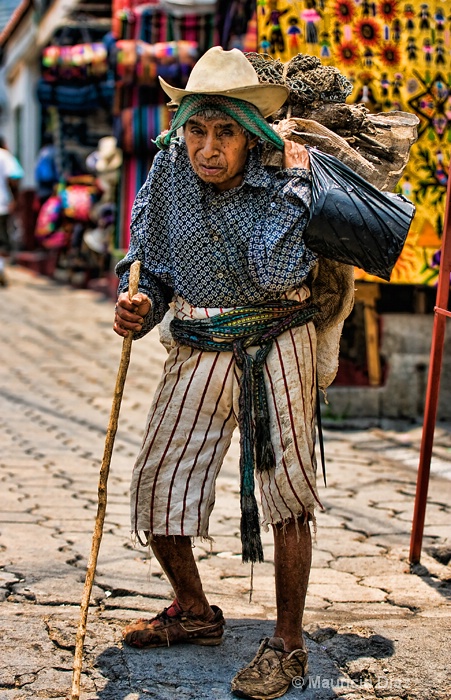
174,626
271,672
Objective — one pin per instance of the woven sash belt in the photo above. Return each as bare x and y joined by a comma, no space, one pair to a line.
234,331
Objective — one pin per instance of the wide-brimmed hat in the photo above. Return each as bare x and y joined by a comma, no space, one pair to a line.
98,240
229,73
108,155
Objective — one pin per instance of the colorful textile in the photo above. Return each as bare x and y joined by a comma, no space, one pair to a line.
242,112
151,25
173,482
58,239
77,99
77,201
231,248
398,57
139,63
237,25
235,331
148,23
198,28
78,62
49,217
134,173
181,8
136,128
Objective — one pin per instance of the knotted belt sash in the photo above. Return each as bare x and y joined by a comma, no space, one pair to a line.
235,331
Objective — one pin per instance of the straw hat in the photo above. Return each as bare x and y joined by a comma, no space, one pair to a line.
98,240
108,155
229,73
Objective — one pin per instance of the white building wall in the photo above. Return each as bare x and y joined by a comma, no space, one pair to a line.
20,73
22,127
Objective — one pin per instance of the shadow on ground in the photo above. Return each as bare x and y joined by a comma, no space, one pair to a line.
204,673
443,586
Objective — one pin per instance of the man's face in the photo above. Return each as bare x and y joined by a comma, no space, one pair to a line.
217,149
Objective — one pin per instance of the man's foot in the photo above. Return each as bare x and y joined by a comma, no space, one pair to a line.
174,626
271,672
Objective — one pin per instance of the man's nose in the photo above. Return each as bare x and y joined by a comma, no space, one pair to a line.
210,146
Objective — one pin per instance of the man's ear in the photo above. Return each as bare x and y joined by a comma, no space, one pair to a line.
253,140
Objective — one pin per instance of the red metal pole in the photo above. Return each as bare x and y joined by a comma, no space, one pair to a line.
433,386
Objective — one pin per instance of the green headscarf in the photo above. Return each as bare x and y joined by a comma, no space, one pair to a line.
242,112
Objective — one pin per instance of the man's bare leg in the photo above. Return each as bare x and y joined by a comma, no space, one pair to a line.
270,673
292,560
175,554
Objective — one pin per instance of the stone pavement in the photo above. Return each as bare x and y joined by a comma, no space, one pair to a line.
374,630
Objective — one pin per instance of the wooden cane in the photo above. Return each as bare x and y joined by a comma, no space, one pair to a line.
102,492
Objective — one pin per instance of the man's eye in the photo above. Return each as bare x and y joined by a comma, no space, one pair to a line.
227,132
195,130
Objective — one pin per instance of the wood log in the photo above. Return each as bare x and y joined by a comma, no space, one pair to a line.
379,153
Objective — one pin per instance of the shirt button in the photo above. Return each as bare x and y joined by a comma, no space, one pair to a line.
220,275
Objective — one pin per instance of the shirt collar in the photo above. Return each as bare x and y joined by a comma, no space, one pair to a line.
255,174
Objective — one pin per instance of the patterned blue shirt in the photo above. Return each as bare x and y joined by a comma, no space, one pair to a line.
228,248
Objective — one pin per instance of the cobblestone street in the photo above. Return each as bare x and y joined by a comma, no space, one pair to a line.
374,629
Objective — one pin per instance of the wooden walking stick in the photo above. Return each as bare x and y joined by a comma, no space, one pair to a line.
102,492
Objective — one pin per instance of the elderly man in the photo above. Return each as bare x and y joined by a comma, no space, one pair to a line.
220,238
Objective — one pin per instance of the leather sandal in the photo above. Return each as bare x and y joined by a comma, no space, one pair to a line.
271,672
174,626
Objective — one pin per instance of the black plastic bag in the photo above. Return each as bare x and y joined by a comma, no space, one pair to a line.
352,221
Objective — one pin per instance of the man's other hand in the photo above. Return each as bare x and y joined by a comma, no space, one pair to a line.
295,155
129,315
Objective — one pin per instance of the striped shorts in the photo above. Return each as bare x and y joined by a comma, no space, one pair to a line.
190,425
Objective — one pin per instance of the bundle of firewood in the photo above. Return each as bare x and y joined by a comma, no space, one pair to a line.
376,146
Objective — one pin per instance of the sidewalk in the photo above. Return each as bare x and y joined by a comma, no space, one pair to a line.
374,629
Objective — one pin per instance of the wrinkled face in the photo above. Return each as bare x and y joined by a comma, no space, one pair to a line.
218,150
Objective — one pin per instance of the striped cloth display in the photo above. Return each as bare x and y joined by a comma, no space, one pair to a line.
201,29
134,173
136,128
151,24
138,90
139,63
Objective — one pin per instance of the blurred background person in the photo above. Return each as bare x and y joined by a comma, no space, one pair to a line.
11,173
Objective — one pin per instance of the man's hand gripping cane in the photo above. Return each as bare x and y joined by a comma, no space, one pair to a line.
130,313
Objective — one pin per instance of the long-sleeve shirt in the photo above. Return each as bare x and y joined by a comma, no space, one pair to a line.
217,248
